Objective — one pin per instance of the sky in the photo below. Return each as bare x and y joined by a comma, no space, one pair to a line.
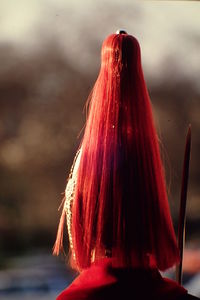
166,29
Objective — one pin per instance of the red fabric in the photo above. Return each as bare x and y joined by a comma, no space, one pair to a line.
102,281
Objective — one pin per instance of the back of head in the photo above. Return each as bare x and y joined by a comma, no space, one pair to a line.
120,204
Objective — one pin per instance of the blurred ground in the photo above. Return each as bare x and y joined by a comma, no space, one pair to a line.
35,276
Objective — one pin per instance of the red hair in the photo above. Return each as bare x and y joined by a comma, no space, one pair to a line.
120,202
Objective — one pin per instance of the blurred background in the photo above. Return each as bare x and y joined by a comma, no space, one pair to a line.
49,61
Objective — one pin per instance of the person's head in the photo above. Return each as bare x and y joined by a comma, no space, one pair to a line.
120,204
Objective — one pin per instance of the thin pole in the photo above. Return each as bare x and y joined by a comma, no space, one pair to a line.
182,210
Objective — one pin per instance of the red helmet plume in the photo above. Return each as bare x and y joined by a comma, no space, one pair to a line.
120,203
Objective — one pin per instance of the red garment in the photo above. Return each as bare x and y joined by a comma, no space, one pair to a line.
102,281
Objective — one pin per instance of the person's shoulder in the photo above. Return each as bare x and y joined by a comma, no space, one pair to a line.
188,297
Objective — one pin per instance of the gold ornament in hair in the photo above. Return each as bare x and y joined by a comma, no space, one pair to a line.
69,197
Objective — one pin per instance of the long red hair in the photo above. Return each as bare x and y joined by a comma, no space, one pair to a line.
120,203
